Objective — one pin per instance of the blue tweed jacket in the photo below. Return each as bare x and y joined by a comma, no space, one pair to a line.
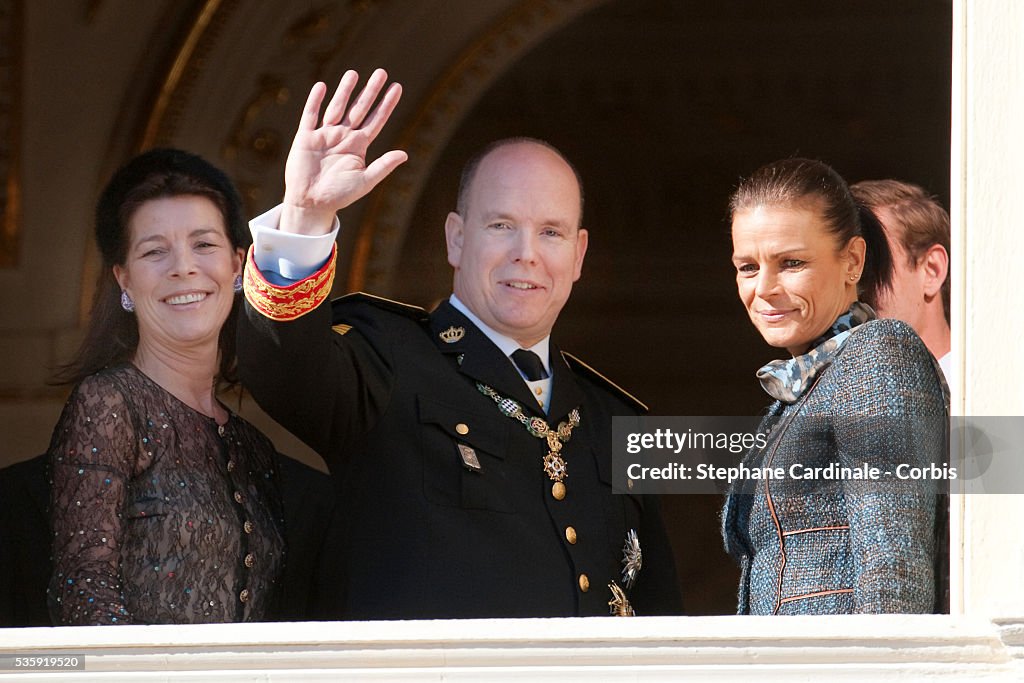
846,546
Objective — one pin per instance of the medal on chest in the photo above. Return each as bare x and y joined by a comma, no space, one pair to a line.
555,465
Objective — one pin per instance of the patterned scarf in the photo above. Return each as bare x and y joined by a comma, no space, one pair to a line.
786,380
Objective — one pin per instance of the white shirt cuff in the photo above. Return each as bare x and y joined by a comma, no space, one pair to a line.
290,255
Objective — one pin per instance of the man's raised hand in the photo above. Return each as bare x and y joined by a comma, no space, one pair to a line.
327,167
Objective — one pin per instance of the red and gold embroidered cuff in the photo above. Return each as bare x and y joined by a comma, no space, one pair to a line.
291,301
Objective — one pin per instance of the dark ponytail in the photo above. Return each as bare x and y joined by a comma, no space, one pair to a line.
877,274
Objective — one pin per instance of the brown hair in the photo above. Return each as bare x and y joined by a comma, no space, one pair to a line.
112,334
799,182
919,222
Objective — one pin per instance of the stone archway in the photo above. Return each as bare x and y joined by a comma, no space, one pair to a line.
662,106
236,77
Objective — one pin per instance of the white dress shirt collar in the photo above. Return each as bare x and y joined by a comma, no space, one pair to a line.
506,344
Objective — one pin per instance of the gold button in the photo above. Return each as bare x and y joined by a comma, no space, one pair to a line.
248,527
231,465
244,595
238,497
558,490
538,391
250,560
462,428
570,535
584,583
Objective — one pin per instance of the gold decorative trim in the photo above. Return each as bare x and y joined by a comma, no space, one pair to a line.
265,143
453,334
257,140
283,303
11,31
154,123
181,73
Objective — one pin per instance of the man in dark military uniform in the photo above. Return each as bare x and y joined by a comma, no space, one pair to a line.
471,456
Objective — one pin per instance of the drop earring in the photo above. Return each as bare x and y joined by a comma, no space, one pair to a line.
126,302
238,283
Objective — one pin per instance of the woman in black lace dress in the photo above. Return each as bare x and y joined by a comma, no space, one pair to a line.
165,505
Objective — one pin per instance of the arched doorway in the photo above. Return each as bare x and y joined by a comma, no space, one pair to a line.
663,106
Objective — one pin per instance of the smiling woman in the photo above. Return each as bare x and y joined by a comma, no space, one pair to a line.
791,278
165,506
858,395
179,274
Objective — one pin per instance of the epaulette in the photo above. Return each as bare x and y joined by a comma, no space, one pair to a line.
408,310
582,368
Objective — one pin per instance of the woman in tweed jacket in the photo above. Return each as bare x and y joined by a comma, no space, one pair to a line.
858,393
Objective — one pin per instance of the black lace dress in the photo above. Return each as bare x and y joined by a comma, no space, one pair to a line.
159,515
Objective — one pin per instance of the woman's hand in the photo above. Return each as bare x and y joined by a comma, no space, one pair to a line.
326,168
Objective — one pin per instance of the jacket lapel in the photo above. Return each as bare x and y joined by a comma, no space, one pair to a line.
565,392
482,361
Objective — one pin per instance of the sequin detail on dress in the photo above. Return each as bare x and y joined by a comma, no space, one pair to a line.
151,510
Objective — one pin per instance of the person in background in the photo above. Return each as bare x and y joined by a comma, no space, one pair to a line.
918,231
917,228
470,454
165,505
857,392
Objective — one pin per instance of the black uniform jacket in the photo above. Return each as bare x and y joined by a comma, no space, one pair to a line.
387,401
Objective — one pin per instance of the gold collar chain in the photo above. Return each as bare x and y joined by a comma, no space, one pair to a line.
554,464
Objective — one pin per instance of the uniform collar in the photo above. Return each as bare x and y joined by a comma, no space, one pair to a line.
456,334
506,344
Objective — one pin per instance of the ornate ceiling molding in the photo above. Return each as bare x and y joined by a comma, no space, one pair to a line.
157,120
470,73
184,66
256,143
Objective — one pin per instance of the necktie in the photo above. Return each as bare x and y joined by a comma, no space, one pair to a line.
529,363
